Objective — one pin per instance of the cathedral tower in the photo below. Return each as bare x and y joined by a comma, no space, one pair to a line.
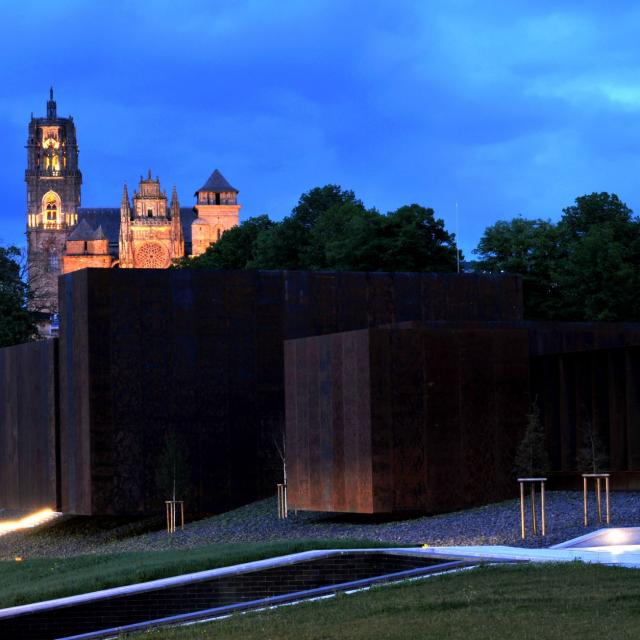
53,197
217,210
150,233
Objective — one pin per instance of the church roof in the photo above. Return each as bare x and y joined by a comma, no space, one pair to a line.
217,183
99,234
82,232
109,220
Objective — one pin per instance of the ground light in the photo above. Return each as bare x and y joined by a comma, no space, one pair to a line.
28,522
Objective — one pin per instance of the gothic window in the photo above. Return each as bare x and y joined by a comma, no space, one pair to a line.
51,208
149,213
53,261
152,255
219,233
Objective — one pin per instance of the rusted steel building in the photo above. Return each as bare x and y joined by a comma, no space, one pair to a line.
427,416
163,369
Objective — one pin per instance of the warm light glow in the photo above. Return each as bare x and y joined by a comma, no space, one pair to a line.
28,522
616,536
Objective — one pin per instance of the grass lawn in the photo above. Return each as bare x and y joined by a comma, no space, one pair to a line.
519,602
46,578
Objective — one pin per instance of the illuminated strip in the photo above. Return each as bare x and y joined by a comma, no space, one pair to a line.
28,522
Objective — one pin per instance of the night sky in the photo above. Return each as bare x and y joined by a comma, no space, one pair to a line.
508,108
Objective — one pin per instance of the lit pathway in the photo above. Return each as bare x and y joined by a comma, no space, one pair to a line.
606,546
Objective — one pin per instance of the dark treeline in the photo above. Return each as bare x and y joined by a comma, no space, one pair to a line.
585,267
330,228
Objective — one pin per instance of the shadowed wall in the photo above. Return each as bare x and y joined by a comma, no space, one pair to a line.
427,416
399,419
195,358
28,425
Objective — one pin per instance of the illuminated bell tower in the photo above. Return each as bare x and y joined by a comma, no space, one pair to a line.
53,197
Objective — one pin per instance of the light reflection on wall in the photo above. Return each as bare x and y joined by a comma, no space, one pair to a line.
28,522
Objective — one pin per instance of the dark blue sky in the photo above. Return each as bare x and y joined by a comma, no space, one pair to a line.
505,107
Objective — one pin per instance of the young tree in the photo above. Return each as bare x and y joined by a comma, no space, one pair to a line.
591,456
171,469
531,458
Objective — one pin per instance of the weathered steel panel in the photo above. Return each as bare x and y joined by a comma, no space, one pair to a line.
193,361
432,417
28,426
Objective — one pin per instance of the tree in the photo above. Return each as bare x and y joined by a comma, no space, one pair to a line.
330,228
236,249
290,244
531,458
596,210
415,240
529,248
591,456
586,267
172,469
16,320
598,272
349,238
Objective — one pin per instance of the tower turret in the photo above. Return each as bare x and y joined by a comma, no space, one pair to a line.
177,236
218,210
51,106
124,241
53,197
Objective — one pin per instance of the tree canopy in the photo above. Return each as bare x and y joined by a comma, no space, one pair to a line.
585,267
16,321
330,228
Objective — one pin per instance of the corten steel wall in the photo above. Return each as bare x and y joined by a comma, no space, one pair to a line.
145,353
28,425
601,387
400,419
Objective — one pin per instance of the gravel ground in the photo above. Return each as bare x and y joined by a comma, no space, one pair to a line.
493,524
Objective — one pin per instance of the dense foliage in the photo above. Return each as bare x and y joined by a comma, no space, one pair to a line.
330,228
16,322
585,267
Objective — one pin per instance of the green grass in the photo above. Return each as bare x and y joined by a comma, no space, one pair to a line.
520,602
42,579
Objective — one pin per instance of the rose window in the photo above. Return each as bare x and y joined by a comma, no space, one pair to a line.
152,255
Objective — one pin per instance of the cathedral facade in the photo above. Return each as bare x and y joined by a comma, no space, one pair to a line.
147,231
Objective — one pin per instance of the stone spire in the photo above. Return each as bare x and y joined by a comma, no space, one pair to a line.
125,247
177,237
125,208
51,106
175,205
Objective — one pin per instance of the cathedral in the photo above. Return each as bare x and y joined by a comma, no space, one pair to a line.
146,232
